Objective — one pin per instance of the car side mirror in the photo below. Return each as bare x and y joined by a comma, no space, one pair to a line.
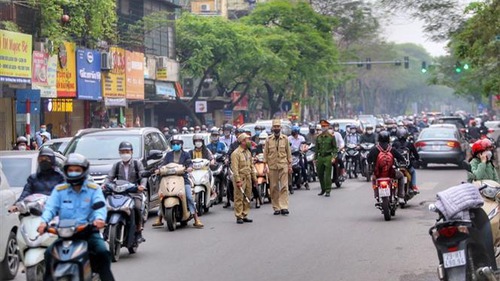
467,166
155,154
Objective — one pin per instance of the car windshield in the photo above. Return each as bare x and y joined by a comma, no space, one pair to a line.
103,147
17,170
437,133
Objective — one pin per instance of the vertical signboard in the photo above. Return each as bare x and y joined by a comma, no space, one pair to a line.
113,81
15,57
66,71
135,75
88,64
44,74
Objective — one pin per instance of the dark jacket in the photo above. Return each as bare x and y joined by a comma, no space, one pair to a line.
373,154
185,160
42,183
367,138
135,170
232,148
399,145
474,133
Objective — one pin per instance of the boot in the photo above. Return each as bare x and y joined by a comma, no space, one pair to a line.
227,204
158,222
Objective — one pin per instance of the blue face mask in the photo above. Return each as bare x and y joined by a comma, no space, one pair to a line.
257,132
43,130
74,174
176,147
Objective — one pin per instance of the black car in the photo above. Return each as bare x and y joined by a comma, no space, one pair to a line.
100,147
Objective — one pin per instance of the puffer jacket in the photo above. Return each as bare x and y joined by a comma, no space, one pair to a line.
42,183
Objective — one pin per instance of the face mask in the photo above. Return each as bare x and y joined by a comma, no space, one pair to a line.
125,157
176,147
336,129
43,130
198,144
249,144
312,131
324,129
353,131
214,139
74,174
257,132
489,154
262,141
369,131
45,166
377,130
331,131
22,147
277,131
226,134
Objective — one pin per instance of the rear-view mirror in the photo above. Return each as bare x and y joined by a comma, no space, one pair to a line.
155,154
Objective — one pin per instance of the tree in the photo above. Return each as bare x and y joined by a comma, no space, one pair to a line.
88,21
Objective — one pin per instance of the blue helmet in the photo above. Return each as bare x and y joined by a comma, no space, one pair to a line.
295,129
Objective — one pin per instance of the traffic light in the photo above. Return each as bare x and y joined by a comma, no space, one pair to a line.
458,67
424,67
466,66
407,62
368,63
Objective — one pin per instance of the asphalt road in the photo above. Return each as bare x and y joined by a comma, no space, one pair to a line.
343,237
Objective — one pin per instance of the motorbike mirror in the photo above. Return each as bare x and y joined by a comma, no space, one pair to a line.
155,154
467,166
98,205
146,174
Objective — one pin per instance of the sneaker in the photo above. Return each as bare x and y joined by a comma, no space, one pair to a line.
415,189
247,220
197,223
139,238
307,186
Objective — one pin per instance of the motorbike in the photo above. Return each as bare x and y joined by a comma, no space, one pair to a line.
262,179
203,183
351,154
311,167
120,220
31,245
365,167
219,171
70,255
402,167
337,178
173,205
462,235
295,179
387,201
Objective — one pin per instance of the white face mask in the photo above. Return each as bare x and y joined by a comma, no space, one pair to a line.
22,147
198,144
324,129
488,154
126,157
262,141
369,131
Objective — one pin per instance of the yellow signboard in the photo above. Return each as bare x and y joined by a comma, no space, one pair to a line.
60,105
113,82
135,75
66,71
15,57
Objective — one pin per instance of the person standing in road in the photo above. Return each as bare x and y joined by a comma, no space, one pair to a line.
326,152
38,135
278,157
243,178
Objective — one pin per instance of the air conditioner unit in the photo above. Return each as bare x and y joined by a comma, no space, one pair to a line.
106,61
205,8
162,62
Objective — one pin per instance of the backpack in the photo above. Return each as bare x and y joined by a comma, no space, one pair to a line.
117,166
385,160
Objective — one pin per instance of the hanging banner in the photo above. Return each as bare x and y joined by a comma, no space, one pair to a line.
242,104
15,57
44,76
88,63
135,75
66,71
113,81
165,89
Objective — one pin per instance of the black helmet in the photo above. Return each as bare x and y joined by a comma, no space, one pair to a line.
125,145
46,151
239,131
75,159
384,137
401,133
259,127
228,127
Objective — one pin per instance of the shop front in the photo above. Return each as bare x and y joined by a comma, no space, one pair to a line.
88,82
114,90
134,113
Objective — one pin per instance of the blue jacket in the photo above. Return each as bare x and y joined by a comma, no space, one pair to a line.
42,183
218,147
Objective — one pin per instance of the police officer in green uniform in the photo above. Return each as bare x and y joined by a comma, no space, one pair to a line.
326,151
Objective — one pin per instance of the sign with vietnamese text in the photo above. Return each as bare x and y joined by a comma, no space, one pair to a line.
135,75
44,76
58,105
15,57
88,64
165,90
113,81
66,71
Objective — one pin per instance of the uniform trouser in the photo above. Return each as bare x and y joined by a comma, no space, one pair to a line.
241,205
324,168
278,184
100,258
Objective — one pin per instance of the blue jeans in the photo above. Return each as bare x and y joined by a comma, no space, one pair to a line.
413,173
189,199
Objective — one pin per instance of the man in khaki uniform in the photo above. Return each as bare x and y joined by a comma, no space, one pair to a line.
243,178
278,157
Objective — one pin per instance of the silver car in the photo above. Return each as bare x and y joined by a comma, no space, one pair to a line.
9,257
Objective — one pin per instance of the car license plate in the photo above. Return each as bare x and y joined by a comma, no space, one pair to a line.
454,259
384,192
435,147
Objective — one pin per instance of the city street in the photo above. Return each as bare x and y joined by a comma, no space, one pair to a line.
343,237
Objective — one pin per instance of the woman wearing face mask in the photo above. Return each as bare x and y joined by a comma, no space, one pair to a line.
481,163
22,144
200,150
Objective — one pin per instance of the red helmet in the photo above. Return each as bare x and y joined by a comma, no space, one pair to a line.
486,143
477,147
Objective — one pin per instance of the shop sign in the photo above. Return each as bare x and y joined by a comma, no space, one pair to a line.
88,63
115,102
58,105
113,81
242,104
168,73
201,106
135,75
166,90
44,76
66,71
15,57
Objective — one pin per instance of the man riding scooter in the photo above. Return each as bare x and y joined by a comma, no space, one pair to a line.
402,143
216,146
296,141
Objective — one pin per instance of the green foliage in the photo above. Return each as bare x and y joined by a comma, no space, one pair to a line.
10,26
90,20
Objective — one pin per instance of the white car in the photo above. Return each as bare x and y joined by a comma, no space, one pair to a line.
9,257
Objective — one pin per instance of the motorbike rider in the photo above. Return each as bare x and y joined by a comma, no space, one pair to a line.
43,181
311,136
204,129
483,130
166,133
482,166
261,144
368,136
129,169
473,131
340,146
401,143
258,130
391,127
352,137
22,144
174,132
179,156
215,145
197,129
201,151
384,144
184,130
73,200
296,141
228,138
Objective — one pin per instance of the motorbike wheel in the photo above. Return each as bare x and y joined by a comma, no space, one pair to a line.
171,219
386,208
36,272
145,213
115,245
338,184
349,169
199,203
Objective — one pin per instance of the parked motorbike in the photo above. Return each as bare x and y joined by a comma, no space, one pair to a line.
70,255
351,154
120,221
385,193
462,235
311,167
365,167
173,205
31,245
219,171
262,179
203,184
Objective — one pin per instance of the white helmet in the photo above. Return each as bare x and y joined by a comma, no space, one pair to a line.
263,135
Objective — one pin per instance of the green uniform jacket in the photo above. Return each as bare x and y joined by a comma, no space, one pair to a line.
326,145
483,171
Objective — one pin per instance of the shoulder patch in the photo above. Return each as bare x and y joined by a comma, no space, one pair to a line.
92,185
62,186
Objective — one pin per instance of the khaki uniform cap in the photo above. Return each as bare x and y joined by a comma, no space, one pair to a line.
276,122
242,137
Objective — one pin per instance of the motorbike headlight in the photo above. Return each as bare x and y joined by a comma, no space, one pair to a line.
65,232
